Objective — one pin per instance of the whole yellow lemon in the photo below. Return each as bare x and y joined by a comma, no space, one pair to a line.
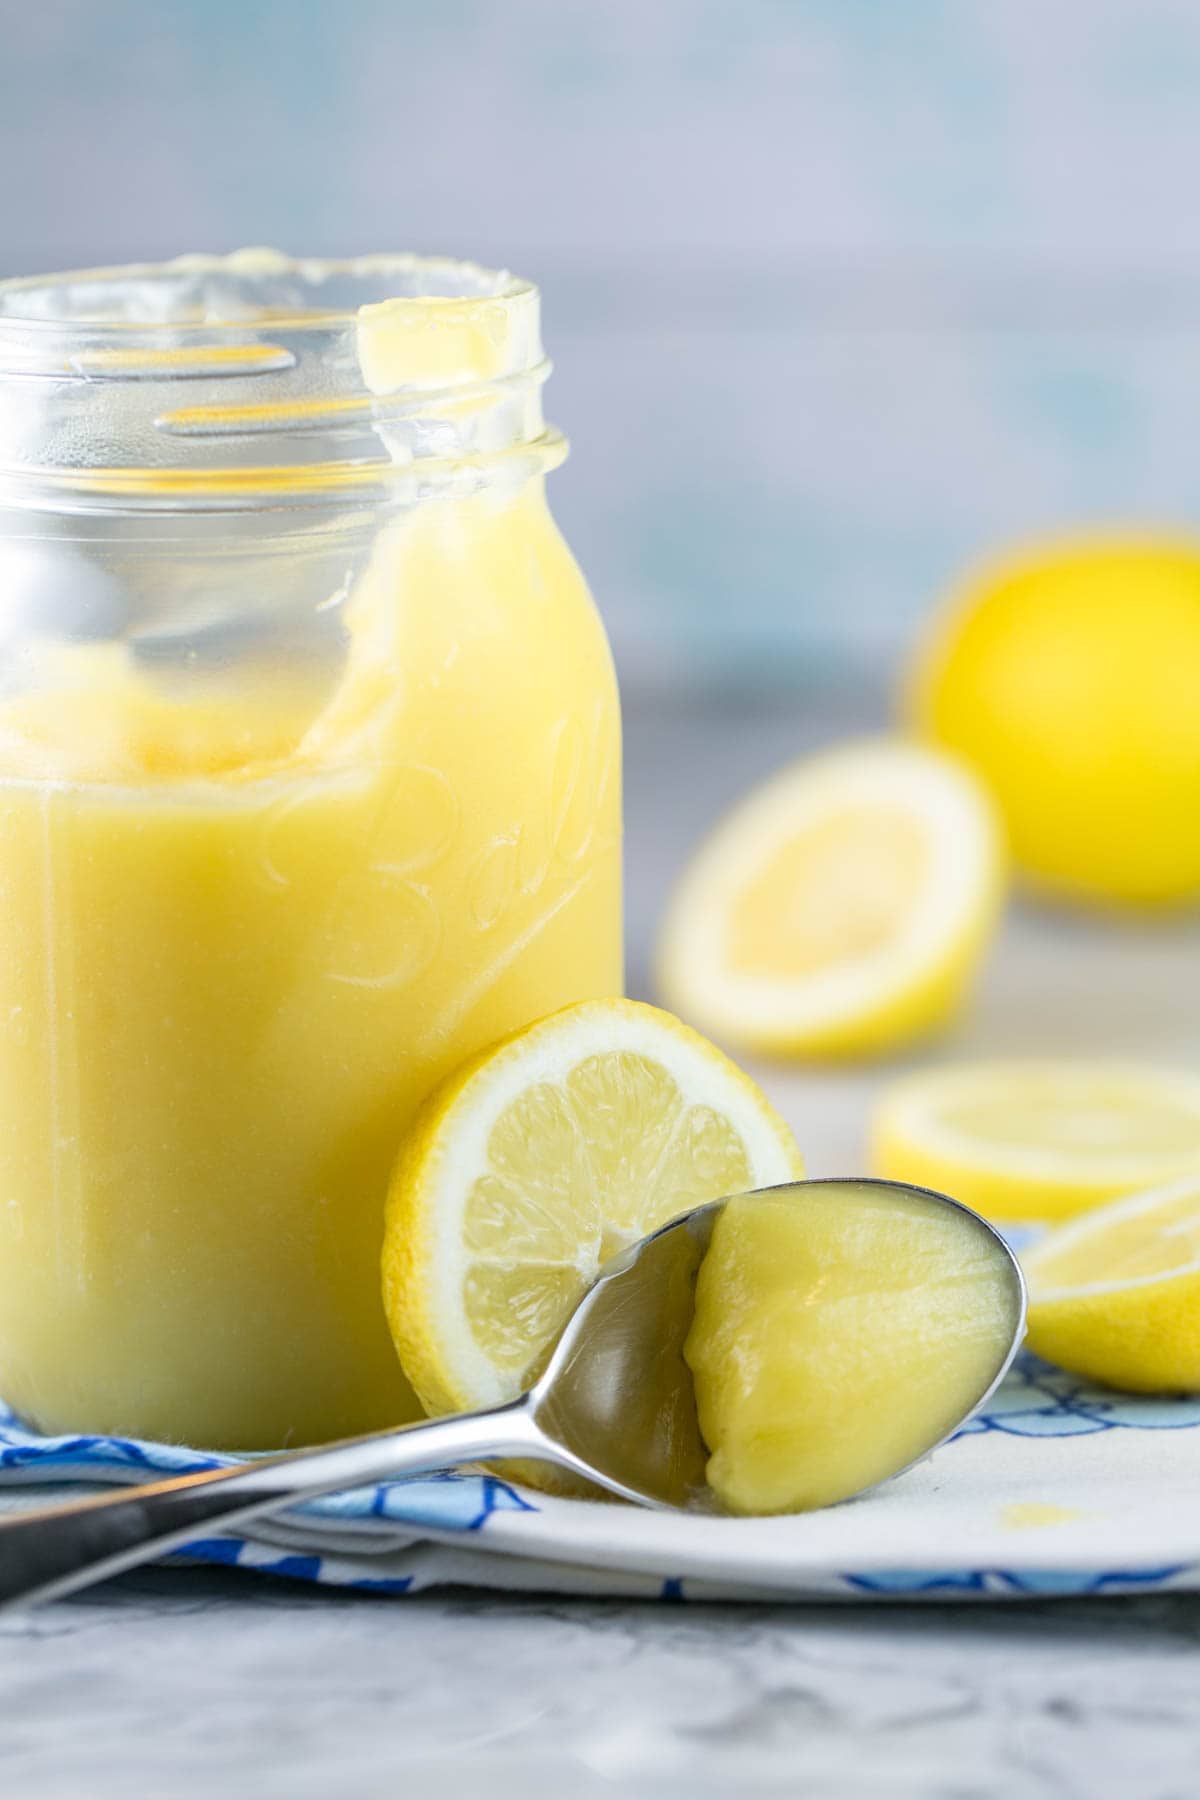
1070,678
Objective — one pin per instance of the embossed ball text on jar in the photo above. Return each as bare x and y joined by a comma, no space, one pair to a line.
309,789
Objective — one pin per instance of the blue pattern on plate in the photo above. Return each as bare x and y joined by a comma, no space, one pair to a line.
1038,1400
445,1502
907,1583
1035,1401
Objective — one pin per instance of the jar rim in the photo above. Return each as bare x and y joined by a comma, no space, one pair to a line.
41,302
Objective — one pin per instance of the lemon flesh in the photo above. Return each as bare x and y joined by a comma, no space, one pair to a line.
538,1162
842,908
840,1332
1070,679
1116,1296
1038,1140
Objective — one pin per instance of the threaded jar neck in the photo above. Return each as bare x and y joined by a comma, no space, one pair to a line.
257,379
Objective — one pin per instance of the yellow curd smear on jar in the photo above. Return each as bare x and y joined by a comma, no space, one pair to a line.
247,922
840,1332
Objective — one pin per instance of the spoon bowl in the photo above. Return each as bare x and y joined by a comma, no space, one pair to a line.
615,1404
618,1395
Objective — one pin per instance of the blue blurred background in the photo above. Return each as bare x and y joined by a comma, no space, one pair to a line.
841,292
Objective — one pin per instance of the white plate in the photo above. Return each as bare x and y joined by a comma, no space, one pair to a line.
1056,1488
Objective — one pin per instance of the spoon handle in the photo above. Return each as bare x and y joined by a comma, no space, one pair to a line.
57,1550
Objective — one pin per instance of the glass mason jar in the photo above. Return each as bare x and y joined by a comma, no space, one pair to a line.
309,789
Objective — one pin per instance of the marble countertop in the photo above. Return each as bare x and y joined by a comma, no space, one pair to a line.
181,1682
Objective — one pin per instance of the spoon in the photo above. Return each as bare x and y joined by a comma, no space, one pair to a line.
614,1404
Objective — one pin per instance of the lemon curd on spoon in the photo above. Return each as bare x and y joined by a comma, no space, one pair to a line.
841,1330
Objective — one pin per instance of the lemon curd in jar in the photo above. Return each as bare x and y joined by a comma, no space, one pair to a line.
309,789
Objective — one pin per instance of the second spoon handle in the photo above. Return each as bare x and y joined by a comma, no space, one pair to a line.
56,1550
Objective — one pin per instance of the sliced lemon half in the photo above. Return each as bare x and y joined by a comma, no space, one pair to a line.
1038,1140
841,908
538,1161
1116,1296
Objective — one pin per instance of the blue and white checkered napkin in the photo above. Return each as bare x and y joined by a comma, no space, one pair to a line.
1056,1489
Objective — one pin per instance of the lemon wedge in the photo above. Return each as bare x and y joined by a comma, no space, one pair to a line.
1069,676
1116,1296
841,908
538,1161
1038,1140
